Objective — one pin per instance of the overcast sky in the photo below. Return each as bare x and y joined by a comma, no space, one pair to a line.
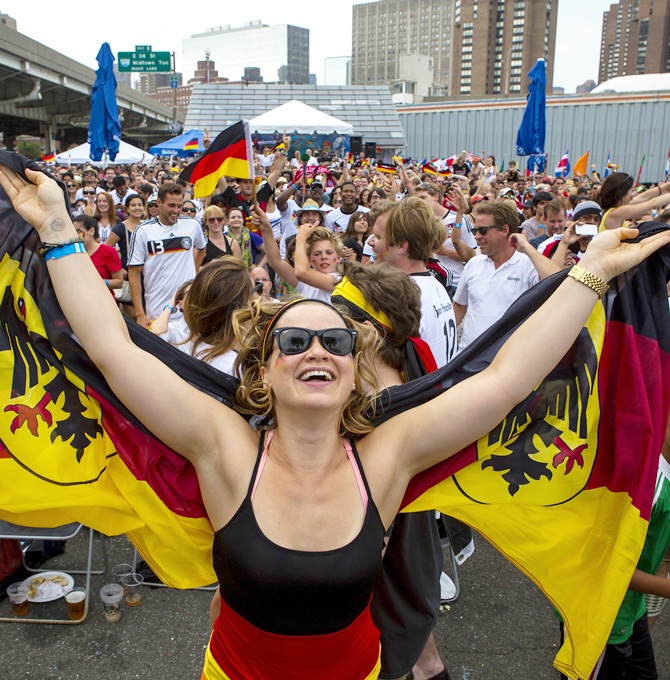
78,29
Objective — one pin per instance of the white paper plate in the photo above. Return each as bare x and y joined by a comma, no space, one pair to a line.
46,589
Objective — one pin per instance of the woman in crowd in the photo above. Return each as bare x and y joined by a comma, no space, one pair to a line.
189,209
78,207
250,244
317,254
122,231
376,195
218,244
488,173
105,259
358,230
206,330
105,213
336,197
89,194
622,205
300,513
364,197
152,206
72,188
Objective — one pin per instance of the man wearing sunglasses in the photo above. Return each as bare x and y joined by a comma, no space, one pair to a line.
90,181
492,281
121,190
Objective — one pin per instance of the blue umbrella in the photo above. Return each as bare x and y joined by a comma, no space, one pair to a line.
176,145
532,131
104,129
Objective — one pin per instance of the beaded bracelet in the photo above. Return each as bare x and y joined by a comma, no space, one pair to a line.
46,247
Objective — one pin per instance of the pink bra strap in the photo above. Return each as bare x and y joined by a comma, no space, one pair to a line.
357,473
350,455
261,464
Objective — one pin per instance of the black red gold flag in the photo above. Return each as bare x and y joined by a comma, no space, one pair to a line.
562,487
231,153
386,168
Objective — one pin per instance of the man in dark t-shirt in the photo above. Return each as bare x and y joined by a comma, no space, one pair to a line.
244,198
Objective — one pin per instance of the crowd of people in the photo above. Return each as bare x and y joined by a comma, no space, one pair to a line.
281,281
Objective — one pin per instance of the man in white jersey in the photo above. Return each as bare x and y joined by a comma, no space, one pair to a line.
405,236
168,249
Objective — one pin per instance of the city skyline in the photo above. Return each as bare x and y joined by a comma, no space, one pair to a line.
81,34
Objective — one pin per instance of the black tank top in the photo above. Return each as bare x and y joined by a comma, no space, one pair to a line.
213,252
293,592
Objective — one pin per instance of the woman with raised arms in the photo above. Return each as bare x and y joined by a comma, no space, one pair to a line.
300,510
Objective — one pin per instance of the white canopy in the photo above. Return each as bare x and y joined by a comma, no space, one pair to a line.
127,154
294,116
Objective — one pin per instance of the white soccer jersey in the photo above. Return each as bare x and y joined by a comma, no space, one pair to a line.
338,221
438,321
166,253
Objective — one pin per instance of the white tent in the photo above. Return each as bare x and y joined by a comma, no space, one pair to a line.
294,116
127,154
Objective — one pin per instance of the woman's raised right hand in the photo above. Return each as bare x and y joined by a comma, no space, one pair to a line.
39,201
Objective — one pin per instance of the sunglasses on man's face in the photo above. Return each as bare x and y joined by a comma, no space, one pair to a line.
337,341
88,193
483,230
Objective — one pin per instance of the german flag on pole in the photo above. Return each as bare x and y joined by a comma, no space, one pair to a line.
49,158
192,145
231,153
562,487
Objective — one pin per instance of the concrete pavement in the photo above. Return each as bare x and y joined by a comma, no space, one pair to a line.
500,628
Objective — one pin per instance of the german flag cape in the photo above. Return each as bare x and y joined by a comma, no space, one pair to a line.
562,487
231,153
69,450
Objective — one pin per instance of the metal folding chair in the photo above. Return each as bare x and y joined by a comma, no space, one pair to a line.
63,533
136,556
457,538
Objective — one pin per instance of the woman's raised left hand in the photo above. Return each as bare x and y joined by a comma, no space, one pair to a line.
609,255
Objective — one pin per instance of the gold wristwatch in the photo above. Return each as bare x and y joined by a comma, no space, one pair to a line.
588,279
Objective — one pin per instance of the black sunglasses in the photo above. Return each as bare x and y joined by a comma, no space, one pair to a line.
337,341
188,210
89,193
482,230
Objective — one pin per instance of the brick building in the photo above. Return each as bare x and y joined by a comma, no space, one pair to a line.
635,39
477,47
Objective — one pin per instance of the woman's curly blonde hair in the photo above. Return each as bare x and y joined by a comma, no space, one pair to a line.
253,396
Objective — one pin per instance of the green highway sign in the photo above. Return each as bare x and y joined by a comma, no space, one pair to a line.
145,61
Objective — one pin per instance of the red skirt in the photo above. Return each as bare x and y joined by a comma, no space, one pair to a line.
239,651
